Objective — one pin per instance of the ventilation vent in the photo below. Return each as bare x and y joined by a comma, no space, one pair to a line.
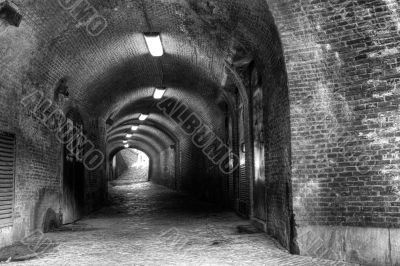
7,169
10,14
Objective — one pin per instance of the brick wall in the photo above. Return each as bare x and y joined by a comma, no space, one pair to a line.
38,185
38,171
343,72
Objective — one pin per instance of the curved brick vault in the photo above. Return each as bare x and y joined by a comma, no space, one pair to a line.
329,75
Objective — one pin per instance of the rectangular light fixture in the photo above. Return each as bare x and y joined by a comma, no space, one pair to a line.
134,128
153,41
125,141
143,117
128,136
159,93
126,145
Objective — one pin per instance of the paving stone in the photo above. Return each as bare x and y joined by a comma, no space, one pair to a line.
147,224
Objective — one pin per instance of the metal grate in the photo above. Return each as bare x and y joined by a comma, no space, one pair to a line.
7,172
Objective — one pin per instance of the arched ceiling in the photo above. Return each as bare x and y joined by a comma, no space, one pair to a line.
112,75
137,140
147,127
156,121
159,137
198,36
202,100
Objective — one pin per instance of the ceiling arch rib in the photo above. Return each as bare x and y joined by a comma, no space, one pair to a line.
197,38
149,122
145,131
105,90
202,100
143,128
150,151
138,139
154,119
150,137
143,69
209,114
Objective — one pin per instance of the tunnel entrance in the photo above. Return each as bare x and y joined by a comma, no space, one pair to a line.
73,170
130,166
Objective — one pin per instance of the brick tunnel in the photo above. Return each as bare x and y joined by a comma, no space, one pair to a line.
260,132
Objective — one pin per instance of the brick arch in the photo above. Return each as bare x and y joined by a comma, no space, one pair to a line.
143,129
113,87
149,133
201,99
126,124
157,117
156,120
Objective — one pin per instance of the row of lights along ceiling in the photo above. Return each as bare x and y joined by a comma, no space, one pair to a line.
154,44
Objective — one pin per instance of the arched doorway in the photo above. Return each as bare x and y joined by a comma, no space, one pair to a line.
73,169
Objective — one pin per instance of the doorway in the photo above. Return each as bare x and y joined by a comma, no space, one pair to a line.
73,170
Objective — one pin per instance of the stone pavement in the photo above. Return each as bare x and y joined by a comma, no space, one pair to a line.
146,224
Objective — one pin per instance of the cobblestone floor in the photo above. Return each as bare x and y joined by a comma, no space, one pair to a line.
150,225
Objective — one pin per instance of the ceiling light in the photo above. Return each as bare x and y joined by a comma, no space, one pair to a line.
159,93
129,136
143,117
126,145
153,41
125,141
134,128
